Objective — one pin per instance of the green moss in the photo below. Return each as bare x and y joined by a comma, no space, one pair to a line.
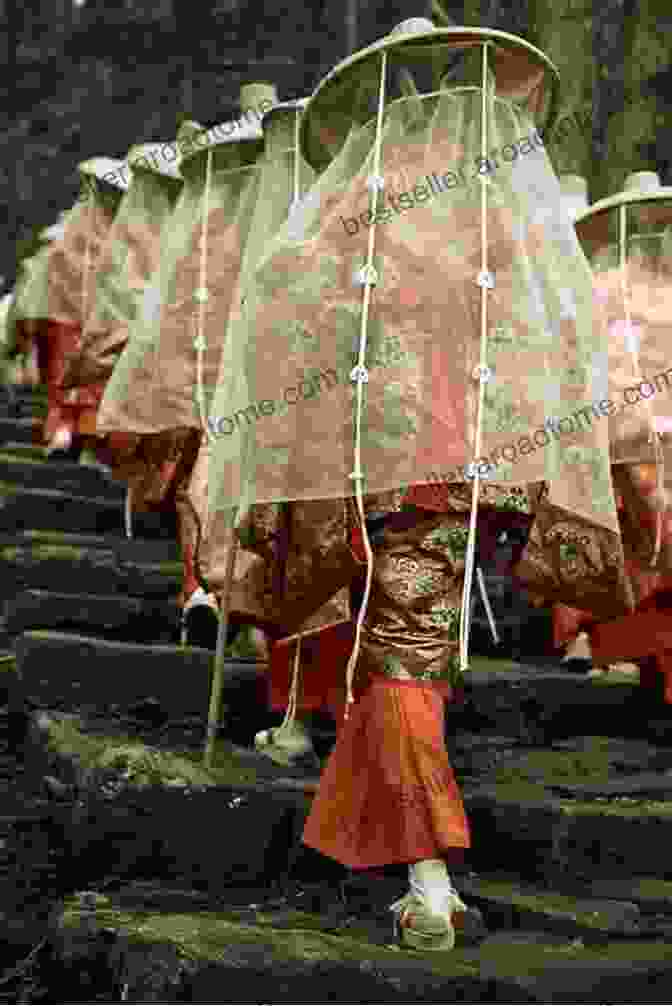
651,887
593,763
167,568
548,902
69,552
633,809
514,958
142,765
208,936
7,663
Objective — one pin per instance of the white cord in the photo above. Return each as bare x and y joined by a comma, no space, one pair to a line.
292,705
471,540
357,474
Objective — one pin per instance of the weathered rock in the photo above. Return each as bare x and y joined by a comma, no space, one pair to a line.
98,571
129,550
652,895
58,670
521,829
314,960
66,476
59,511
46,508
128,619
538,706
624,972
509,904
20,431
641,784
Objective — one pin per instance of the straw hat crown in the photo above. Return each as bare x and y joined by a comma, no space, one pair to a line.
257,97
413,26
188,129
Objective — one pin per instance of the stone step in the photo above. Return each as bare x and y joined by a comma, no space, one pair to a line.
522,828
539,705
17,401
63,476
23,408
127,570
292,956
506,902
25,452
66,671
126,619
141,550
54,510
20,431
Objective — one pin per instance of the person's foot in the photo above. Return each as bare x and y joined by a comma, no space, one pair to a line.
290,746
424,926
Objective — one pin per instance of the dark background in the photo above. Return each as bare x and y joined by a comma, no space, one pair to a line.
90,81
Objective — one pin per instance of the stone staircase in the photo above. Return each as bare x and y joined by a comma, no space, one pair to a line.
567,781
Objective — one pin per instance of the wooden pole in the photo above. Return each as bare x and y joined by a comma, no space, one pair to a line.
218,668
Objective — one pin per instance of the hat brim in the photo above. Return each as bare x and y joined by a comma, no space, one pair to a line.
106,169
151,157
593,226
528,58
299,104
222,135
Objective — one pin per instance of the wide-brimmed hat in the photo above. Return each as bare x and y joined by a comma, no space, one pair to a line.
595,226
343,97
246,129
288,106
257,98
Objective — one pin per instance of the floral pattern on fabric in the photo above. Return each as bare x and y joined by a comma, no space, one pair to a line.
293,564
411,627
153,465
574,562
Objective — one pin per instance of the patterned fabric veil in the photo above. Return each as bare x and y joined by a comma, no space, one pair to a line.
468,214
127,261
